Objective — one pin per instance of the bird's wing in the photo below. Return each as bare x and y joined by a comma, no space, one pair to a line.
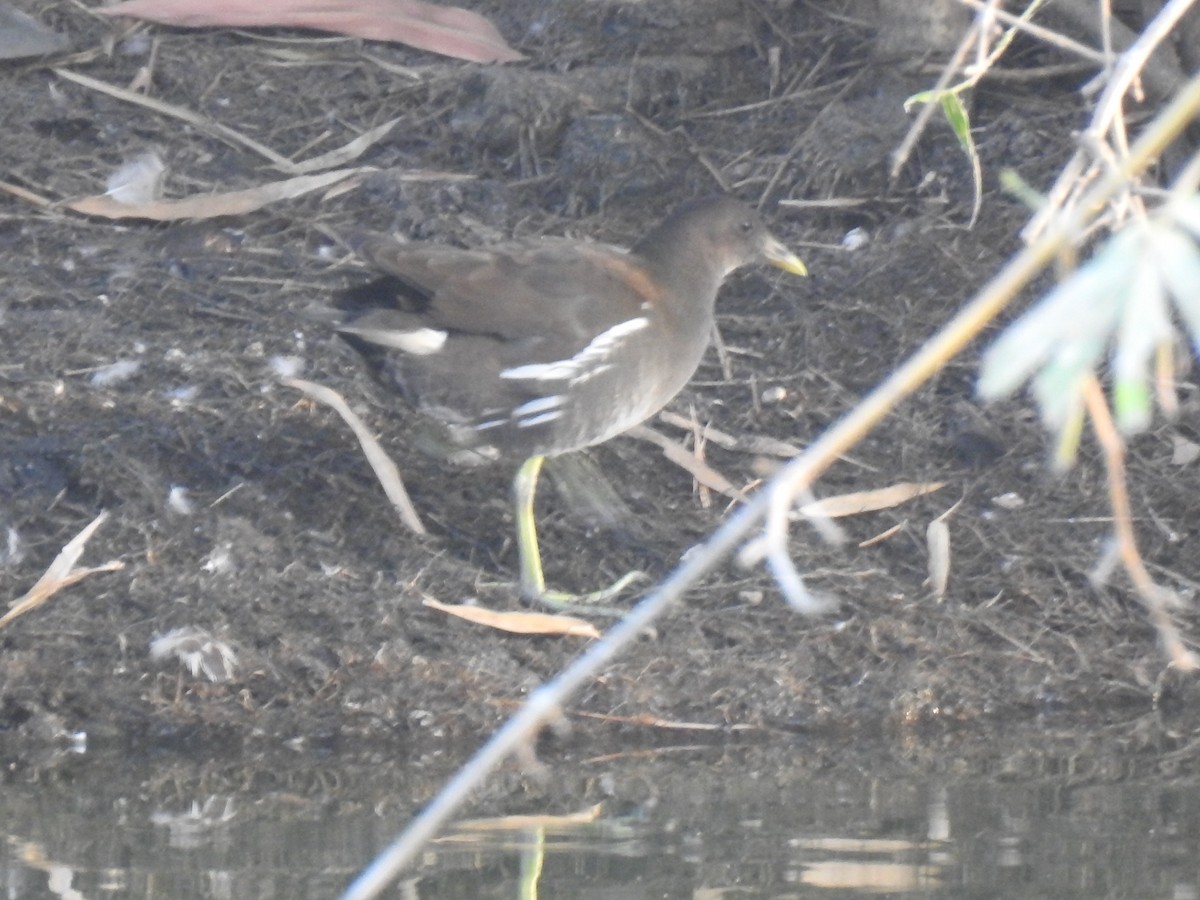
565,292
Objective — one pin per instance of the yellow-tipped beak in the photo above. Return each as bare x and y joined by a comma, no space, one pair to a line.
781,256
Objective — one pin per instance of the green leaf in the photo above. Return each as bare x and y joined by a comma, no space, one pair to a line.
1014,184
1120,298
1057,386
1132,404
1178,259
1145,325
960,121
919,98
1077,316
1187,213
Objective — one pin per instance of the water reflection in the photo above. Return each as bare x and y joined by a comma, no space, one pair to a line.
716,822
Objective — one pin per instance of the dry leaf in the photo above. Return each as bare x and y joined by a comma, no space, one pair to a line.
868,877
216,129
884,535
524,823
937,540
447,30
349,152
649,721
381,464
869,501
518,622
871,846
704,474
208,206
61,573
746,443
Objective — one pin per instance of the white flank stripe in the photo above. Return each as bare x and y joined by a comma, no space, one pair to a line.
538,420
590,373
540,405
541,371
578,366
418,342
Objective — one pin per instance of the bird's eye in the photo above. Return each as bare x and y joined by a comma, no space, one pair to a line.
745,227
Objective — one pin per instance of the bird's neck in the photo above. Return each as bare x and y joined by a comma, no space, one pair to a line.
673,259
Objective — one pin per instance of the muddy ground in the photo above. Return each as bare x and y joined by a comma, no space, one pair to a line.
286,548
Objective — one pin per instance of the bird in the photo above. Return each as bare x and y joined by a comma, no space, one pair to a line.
543,346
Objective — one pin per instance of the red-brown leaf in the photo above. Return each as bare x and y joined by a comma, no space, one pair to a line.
448,30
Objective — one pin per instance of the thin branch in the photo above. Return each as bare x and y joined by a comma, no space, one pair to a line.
1046,35
216,129
1155,597
385,470
1129,65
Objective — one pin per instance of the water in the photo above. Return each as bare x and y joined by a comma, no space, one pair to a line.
1077,816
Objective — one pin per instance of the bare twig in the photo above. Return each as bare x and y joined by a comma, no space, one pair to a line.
385,470
705,474
901,154
764,445
1108,107
348,152
1155,597
216,129
1046,35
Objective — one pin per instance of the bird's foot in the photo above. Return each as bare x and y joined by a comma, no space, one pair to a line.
563,601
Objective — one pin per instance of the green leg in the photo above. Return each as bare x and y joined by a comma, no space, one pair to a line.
533,582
